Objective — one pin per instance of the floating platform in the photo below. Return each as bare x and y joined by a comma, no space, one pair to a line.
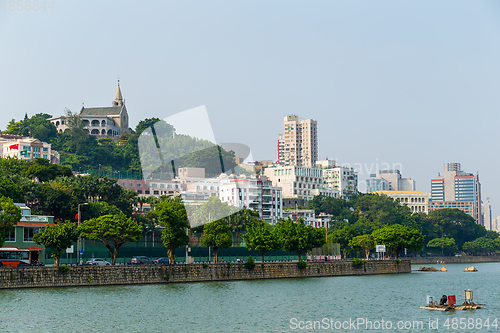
471,306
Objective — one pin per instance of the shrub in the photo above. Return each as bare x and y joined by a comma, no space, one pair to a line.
63,268
262,265
302,264
205,265
358,262
319,270
250,264
398,260
228,265
281,266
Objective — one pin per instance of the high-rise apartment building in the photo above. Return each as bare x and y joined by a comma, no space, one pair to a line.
339,178
389,180
487,218
457,189
299,143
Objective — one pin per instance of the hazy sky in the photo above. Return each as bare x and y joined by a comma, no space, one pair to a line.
414,84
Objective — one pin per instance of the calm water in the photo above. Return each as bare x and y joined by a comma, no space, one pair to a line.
256,306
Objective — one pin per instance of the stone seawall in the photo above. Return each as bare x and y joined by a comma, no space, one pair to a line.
453,260
36,277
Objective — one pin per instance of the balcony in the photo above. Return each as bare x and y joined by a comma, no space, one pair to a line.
37,218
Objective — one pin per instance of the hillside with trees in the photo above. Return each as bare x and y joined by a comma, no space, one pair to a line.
83,152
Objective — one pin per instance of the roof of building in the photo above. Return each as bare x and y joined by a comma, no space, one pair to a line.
106,111
398,192
12,136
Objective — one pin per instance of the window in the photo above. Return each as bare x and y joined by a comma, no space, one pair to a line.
156,192
130,184
146,192
29,232
10,236
139,191
139,184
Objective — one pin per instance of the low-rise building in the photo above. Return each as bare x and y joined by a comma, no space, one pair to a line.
468,207
417,201
26,148
22,235
307,215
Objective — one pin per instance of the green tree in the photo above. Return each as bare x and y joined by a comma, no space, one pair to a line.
443,243
492,234
10,214
481,244
297,237
258,237
172,216
454,223
363,243
45,171
112,230
10,190
57,237
342,236
216,235
397,237
149,122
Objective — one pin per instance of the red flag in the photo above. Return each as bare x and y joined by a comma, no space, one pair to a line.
452,300
76,216
16,146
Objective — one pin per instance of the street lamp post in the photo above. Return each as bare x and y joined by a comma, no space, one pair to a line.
80,261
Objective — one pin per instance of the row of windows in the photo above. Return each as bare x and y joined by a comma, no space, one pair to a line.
29,232
152,185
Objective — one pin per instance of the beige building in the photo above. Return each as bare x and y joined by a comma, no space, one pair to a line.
299,143
26,148
102,122
417,201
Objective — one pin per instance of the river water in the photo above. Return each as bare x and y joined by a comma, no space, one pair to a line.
337,304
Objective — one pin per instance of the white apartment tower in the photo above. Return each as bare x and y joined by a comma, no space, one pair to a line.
299,143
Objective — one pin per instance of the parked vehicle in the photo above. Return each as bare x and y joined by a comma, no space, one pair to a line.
141,260
161,261
36,263
98,262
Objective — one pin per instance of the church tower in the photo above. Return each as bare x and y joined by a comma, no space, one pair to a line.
118,97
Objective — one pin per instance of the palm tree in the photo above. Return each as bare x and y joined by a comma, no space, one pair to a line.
142,201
